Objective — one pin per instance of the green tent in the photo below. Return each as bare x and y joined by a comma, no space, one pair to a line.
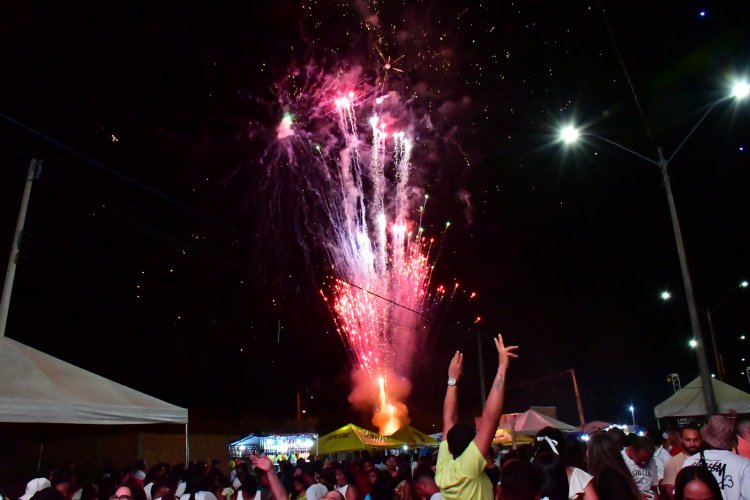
352,438
414,437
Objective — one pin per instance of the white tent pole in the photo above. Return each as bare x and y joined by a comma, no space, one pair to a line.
39,464
35,168
187,447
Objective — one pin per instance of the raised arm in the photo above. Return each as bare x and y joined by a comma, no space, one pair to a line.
450,405
277,488
494,405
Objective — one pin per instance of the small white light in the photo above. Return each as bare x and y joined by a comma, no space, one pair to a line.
693,343
569,134
743,284
665,295
741,89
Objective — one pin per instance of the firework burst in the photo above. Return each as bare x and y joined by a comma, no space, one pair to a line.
348,147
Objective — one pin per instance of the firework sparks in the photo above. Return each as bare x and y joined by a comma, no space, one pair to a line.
351,146
383,271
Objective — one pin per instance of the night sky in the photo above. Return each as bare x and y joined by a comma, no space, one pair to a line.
149,256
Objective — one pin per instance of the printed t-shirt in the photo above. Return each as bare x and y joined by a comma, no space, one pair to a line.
731,471
645,477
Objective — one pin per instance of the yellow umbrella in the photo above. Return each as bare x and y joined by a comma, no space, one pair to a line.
414,437
353,438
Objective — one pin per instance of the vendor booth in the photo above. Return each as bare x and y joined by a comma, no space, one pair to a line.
277,446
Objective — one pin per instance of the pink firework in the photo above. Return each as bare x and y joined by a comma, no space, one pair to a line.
351,152
381,267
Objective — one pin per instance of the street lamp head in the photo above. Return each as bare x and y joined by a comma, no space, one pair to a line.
693,343
743,284
665,295
740,89
631,408
569,134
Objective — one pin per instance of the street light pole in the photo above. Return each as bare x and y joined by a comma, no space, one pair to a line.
717,357
632,412
570,134
709,398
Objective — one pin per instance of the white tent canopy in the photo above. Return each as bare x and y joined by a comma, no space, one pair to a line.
38,388
688,401
530,422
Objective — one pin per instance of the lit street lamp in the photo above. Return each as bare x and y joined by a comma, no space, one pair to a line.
570,135
632,412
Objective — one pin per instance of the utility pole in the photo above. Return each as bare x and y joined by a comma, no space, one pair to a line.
709,398
717,355
35,168
579,405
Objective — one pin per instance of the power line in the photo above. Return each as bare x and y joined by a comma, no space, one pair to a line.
120,175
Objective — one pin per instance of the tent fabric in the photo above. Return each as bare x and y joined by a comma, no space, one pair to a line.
38,388
688,401
596,425
414,437
504,437
530,422
352,438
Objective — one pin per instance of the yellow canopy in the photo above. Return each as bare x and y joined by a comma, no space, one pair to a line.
414,437
353,438
503,436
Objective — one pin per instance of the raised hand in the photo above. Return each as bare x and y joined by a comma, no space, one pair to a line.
504,353
263,462
456,368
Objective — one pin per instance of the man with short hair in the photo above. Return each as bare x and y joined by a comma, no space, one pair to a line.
639,457
731,471
742,428
461,458
425,486
333,495
690,444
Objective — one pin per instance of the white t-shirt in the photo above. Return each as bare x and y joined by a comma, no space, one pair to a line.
577,482
316,491
661,457
342,489
147,489
645,477
180,489
731,471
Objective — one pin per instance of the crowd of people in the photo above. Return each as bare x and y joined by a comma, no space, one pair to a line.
691,463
